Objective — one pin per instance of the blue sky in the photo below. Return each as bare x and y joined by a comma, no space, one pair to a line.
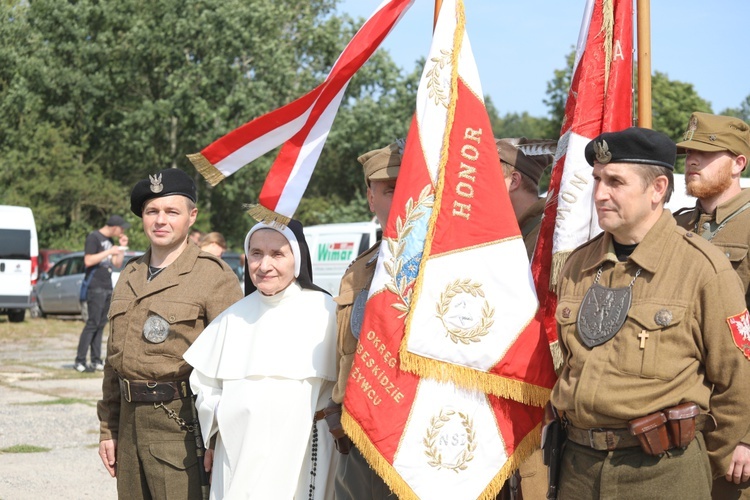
519,43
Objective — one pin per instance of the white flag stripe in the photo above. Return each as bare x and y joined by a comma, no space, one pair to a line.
576,217
448,427
489,323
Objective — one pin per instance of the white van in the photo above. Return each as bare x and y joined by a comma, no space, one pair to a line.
334,246
19,260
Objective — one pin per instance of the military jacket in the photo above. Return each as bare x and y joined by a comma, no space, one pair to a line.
529,223
187,296
357,278
683,299
733,239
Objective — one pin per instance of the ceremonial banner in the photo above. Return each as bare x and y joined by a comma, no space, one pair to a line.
600,100
302,125
445,393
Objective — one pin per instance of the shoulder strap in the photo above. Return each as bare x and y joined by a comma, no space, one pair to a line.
715,228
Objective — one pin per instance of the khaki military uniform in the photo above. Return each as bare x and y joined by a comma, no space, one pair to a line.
355,479
689,281
529,223
156,455
734,240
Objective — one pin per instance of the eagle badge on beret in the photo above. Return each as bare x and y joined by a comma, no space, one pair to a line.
156,185
603,154
692,127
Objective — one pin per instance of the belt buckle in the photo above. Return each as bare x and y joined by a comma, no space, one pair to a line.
128,397
591,438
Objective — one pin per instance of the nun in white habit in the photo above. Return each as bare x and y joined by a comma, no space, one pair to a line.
262,371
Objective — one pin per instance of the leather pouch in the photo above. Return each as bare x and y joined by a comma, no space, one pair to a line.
651,432
681,423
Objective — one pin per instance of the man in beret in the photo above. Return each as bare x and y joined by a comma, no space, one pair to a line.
648,318
718,149
355,480
100,256
161,303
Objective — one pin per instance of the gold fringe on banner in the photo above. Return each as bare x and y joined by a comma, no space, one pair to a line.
204,167
528,445
558,262
472,379
266,215
382,467
608,27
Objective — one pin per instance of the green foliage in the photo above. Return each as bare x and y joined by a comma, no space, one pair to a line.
742,112
672,104
24,448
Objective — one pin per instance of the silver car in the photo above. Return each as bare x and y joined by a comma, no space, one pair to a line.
58,290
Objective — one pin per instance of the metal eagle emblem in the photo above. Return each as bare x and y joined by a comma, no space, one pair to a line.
156,185
692,127
358,313
156,329
602,314
603,155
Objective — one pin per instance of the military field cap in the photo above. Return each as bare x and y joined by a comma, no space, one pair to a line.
117,220
168,182
710,133
528,156
382,164
632,145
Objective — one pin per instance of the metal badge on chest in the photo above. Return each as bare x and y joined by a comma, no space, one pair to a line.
603,311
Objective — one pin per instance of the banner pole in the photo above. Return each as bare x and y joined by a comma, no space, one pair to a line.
438,3
644,63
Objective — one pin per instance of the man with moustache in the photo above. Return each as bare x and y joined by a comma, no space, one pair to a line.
718,149
161,303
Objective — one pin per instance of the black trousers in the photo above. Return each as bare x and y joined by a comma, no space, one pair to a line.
91,337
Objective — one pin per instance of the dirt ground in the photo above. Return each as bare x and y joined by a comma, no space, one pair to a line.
44,403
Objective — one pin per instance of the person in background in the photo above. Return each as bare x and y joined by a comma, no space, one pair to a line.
355,479
195,235
718,149
523,161
162,302
100,256
648,316
213,243
263,372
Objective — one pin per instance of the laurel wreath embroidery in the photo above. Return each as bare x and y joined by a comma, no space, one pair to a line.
465,336
437,92
433,433
414,212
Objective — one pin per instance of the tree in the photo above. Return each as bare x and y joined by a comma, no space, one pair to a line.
742,112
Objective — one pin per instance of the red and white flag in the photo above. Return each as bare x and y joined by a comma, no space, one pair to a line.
600,100
302,125
445,393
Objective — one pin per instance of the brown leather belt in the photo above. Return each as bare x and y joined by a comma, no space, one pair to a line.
153,392
319,415
613,439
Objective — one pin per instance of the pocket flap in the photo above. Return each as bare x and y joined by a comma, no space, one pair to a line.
656,316
117,307
175,312
346,297
735,252
174,453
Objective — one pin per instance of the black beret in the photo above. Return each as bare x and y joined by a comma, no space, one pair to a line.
168,182
632,145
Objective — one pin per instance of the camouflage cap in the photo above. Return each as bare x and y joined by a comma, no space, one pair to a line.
529,156
710,133
382,164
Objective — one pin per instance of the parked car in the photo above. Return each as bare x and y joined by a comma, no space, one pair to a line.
237,263
58,291
19,261
48,258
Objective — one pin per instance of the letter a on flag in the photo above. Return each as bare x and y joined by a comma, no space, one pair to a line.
451,371
600,100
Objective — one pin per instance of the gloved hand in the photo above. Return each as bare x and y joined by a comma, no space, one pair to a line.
332,414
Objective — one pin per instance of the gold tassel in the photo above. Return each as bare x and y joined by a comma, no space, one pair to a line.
558,262
524,450
266,215
557,356
608,25
212,174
